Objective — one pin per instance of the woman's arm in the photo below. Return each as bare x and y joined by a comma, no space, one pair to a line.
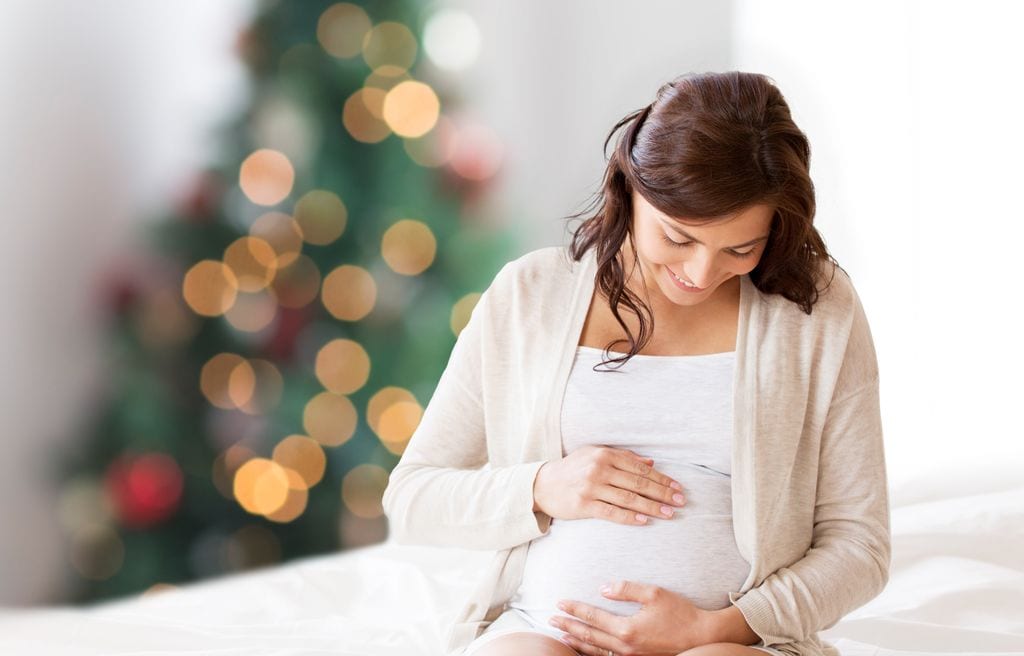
848,562
440,492
728,625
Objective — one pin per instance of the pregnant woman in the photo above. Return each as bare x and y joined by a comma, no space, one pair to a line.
716,485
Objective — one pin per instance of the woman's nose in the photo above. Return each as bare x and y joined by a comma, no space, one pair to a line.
699,271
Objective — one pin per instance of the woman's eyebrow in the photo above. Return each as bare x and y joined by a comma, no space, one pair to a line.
682,232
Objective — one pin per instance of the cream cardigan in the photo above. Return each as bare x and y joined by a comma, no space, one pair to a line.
809,489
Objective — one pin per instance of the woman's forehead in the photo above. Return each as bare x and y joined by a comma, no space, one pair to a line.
753,213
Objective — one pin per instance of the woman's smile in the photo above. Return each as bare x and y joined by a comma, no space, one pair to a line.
683,285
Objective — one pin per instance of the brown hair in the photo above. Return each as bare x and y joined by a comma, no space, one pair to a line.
710,145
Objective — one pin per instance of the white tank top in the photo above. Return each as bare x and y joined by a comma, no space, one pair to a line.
678,411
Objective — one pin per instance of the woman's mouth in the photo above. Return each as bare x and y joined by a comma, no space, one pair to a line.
682,284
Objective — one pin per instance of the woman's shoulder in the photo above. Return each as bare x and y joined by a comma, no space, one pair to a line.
836,296
839,299
546,260
836,336
542,270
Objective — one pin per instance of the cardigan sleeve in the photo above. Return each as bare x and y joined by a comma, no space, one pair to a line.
848,562
443,491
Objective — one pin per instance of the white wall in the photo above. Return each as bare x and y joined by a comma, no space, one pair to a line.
913,113
554,77
104,112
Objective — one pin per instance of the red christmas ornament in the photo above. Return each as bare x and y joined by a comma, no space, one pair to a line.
250,48
281,345
120,294
200,200
130,277
146,489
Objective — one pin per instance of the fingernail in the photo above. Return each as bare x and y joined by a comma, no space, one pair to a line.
641,518
678,498
666,511
676,485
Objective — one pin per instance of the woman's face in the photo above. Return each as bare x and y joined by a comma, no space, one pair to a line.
707,255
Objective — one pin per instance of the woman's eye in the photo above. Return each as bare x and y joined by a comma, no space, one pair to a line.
687,243
674,243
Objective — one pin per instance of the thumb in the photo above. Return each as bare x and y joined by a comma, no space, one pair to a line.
628,590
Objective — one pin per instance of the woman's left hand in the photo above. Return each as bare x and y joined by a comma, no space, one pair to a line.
666,625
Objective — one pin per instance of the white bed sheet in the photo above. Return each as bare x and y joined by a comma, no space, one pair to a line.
957,587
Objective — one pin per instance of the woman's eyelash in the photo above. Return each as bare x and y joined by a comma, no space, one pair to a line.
687,243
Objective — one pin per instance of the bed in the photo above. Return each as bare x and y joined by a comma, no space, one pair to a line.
956,587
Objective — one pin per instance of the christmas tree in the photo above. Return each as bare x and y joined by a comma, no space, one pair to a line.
272,351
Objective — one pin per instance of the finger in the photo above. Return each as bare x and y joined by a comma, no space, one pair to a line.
639,457
635,501
599,647
586,637
583,648
642,593
593,616
647,470
638,492
614,513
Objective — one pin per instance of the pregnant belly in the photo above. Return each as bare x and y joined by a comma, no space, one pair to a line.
693,554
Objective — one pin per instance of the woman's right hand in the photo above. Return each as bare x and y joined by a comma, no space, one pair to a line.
604,483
